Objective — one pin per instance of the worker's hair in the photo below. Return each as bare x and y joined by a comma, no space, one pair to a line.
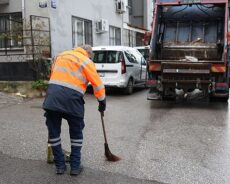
88,49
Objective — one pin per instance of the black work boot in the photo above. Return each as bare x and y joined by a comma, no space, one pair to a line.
60,171
75,172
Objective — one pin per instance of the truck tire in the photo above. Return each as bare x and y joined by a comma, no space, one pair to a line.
219,99
224,99
129,87
168,97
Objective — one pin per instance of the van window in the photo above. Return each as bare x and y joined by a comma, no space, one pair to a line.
106,56
138,56
130,56
144,52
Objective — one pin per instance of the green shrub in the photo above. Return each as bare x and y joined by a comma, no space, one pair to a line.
40,84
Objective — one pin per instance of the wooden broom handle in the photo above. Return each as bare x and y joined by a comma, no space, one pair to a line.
103,126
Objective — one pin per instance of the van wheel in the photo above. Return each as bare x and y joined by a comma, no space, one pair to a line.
129,87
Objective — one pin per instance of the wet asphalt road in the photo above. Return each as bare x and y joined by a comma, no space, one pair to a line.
159,142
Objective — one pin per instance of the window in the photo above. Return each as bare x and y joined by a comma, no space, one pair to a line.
125,37
138,56
129,38
131,57
130,4
139,39
107,56
11,31
114,36
144,52
82,32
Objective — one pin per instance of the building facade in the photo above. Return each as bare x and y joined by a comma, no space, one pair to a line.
72,23
32,30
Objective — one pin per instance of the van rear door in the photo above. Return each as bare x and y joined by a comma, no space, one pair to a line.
108,63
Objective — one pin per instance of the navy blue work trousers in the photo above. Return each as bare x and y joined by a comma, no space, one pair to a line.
76,125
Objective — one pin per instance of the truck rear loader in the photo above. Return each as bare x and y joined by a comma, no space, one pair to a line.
189,50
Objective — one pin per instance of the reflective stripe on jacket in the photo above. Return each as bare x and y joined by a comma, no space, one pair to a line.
73,69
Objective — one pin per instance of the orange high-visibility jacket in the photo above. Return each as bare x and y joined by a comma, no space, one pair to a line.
73,69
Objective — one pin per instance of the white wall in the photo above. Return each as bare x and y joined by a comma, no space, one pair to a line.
61,18
93,10
13,6
31,7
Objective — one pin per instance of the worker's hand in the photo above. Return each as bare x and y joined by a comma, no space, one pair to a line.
102,105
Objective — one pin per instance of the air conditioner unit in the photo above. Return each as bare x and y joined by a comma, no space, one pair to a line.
102,26
120,6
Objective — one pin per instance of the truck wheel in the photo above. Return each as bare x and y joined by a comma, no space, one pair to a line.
129,87
224,99
170,97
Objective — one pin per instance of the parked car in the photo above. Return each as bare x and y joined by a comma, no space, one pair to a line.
144,50
120,66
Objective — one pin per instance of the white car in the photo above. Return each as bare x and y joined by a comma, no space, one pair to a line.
120,66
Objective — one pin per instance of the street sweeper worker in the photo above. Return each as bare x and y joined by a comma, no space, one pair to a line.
71,72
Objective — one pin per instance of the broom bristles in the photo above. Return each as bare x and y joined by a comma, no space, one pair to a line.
109,155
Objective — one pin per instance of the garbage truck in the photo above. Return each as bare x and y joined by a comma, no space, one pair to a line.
189,56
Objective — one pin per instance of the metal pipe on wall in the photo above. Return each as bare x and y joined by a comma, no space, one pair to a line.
23,10
23,19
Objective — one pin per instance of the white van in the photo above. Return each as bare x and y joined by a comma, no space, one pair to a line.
120,66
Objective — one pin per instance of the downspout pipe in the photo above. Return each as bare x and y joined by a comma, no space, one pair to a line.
23,20
23,10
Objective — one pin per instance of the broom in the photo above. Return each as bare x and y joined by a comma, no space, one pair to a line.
108,154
